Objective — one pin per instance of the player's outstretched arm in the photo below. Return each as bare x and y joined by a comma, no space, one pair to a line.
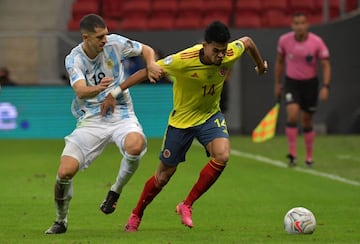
110,100
252,50
154,71
84,91
326,68
278,73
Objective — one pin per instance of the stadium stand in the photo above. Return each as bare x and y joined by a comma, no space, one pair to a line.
247,14
306,6
80,8
195,14
218,10
189,14
112,9
163,13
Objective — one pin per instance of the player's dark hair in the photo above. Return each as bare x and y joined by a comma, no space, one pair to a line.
217,32
89,22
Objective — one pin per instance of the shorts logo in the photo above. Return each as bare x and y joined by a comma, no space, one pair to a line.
289,97
166,153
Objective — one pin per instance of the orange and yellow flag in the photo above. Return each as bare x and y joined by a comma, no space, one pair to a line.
265,130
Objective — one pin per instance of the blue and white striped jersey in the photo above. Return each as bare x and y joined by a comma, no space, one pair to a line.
109,63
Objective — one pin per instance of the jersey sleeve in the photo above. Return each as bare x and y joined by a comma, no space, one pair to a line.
170,64
323,51
74,69
238,47
129,48
280,46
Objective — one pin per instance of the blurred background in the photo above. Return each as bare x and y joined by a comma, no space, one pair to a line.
35,37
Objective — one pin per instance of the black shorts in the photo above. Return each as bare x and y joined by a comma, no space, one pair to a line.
178,141
303,92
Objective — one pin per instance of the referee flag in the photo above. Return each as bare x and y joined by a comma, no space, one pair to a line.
265,130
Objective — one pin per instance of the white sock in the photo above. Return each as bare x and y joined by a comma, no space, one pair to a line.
128,166
63,195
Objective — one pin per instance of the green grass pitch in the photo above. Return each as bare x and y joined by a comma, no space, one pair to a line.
246,205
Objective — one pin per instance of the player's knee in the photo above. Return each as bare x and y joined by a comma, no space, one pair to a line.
68,168
64,174
135,144
222,158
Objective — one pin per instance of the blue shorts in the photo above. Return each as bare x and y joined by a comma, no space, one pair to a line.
178,141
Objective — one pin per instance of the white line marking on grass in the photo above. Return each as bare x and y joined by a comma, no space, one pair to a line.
281,164
348,157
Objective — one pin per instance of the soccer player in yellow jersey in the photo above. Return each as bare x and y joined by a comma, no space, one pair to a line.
198,74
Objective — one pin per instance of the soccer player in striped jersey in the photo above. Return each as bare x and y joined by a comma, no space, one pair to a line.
95,68
198,74
300,51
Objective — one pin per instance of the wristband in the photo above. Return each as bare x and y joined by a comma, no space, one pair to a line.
326,85
116,92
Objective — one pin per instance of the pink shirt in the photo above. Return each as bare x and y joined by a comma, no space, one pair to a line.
301,57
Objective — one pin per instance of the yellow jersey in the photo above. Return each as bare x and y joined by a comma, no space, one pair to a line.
197,87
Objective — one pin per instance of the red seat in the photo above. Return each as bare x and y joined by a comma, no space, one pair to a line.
112,9
315,18
164,7
216,7
305,6
113,24
334,7
281,5
81,8
247,14
161,22
208,18
137,8
191,7
188,22
254,6
351,5
134,23
276,18
248,20
73,25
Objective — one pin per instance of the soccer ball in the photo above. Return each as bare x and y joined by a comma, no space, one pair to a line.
299,220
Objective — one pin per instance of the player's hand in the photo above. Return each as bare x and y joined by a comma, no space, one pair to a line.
324,93
108,105
155,72
105,82
278,91
263,69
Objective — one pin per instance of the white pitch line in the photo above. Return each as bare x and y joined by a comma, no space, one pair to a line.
281,164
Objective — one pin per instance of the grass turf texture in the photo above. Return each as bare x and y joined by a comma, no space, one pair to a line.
246,205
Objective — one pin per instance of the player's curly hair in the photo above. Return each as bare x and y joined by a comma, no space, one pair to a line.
89,22
217,32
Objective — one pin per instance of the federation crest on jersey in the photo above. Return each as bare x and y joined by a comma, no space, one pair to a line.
168,60
109,63
223,71
166,153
